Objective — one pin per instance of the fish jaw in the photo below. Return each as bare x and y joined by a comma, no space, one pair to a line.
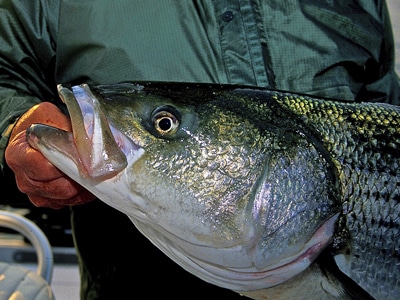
196,259
61,147
94,151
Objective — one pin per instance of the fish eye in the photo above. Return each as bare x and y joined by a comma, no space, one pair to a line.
165,122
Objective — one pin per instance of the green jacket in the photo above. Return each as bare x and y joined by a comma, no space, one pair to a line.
334,49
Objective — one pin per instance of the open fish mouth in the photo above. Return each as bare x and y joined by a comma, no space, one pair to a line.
99,150
102,148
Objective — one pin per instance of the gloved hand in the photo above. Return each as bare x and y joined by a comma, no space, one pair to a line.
44,184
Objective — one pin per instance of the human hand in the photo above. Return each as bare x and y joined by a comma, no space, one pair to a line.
45,185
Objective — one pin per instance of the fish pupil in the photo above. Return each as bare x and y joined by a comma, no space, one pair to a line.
165,124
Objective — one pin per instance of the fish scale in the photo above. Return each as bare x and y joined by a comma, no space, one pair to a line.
371,211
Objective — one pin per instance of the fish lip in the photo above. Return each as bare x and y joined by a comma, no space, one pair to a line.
90,126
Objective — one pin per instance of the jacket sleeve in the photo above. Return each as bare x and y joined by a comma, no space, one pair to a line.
27,55
360,39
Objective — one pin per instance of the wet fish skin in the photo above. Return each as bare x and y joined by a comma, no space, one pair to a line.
244,156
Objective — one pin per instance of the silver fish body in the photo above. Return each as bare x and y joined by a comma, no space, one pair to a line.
244,187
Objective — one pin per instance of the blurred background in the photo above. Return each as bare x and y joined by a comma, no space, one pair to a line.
394,10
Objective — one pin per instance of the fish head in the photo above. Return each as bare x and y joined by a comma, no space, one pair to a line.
218,183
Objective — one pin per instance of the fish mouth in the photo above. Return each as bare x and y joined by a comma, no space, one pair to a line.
99,150
103,149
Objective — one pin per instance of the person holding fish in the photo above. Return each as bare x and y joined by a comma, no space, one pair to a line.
319,48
